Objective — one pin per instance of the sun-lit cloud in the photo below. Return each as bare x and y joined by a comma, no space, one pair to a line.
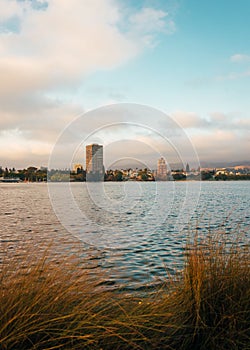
48,48
20,152
61,44
214,146
217,136
189,119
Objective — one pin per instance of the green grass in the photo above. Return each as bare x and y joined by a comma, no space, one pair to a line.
55,304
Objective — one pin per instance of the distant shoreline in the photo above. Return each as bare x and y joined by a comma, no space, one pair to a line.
14,181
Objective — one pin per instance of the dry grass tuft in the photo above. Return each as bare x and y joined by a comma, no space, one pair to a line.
56,304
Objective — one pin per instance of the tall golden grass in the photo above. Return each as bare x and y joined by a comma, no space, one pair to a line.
57,304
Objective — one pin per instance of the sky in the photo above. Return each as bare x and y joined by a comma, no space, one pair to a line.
186,59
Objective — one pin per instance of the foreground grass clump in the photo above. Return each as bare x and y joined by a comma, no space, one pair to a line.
212,305
56,304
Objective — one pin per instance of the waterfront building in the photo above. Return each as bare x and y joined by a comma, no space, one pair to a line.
94,162
161,174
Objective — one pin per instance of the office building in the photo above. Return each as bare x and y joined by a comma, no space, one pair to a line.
94,163
161,174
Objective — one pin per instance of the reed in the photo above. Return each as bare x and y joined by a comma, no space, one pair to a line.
49,303
211,307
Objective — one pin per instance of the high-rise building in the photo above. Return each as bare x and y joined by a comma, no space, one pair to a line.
161,170
94,162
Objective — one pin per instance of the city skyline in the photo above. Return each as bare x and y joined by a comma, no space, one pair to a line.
163,173
187,59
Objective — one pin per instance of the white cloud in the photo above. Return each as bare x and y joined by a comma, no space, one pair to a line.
237,58
214,121
240,58
64,42
149,20
10,9
145,24
47,48
61,44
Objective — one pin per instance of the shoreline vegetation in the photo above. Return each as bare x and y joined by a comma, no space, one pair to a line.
56,303
33,174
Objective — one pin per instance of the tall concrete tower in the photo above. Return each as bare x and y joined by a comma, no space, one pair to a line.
161,174
94,162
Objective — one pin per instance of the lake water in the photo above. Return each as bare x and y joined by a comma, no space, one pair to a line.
133,231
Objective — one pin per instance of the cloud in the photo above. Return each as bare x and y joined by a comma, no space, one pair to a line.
190,120
64,42
145,24
218,136
10,9
221,145
214,121
21,152
48,48
150,20
239,58
233,76
218,116
61,44
229,121
36,116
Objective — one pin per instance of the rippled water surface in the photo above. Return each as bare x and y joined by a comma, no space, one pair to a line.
132,231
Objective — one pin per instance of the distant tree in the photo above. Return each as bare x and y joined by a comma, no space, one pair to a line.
206,175
41,175
118,175
179,176
31,173
31,169
21,174
6,172
144,176
221,177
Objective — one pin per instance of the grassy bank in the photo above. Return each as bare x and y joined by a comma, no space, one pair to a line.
56,304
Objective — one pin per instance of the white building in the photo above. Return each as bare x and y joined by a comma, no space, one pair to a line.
161,174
